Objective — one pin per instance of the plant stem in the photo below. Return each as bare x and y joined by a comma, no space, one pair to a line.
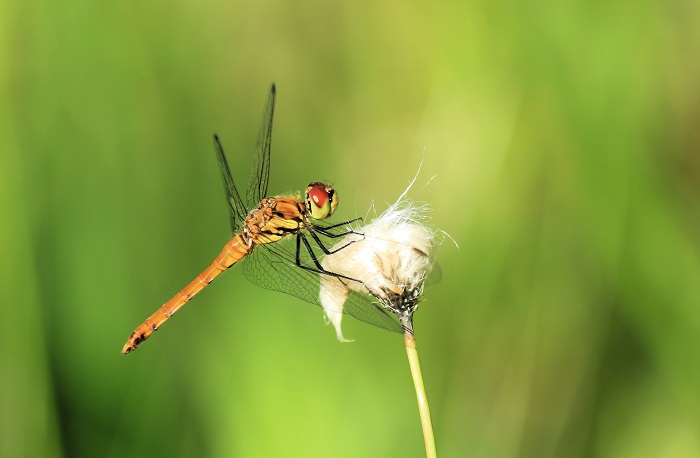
423,408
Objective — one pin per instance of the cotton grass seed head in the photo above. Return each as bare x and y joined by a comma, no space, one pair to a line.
391,263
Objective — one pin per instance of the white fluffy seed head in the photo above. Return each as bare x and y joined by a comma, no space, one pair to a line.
391,262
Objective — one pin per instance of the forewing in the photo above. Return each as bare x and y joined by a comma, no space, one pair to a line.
362,307
260,174
435,276
272,266
236,207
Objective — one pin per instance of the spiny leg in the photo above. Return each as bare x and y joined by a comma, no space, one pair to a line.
324,231
319,269
344,223
326,250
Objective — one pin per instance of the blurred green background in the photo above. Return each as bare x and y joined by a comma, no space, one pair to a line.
564,140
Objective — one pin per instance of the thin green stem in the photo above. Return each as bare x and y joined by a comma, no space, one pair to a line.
423,408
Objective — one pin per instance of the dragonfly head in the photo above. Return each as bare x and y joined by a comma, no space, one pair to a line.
321,200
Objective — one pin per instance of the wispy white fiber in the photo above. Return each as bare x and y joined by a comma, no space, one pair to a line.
391,262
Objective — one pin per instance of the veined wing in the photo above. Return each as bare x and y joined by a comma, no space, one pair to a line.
257,185
236,207
260,174
273,266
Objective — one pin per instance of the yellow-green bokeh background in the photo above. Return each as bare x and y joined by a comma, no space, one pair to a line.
564,140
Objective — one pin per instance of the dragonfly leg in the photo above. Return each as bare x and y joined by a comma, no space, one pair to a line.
326,250
319,268
323,231
344,223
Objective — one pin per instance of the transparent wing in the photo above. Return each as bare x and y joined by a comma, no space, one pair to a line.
272,266
260,174
236,208
435,276
362,307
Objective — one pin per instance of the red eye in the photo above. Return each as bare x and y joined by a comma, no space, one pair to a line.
318,196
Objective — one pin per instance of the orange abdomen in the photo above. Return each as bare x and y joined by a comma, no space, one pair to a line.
234,251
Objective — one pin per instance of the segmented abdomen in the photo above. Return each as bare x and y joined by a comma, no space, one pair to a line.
236,248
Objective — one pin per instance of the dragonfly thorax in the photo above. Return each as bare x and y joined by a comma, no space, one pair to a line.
321,200
273,219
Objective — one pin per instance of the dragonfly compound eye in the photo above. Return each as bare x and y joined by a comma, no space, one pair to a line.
321,200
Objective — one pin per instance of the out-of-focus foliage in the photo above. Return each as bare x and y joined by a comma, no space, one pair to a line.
564,140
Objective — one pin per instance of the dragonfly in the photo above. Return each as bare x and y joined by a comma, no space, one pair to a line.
278,240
